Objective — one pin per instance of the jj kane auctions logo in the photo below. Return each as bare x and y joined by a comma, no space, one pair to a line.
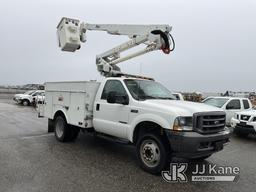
200,172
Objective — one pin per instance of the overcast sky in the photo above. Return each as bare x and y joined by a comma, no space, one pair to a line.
215,42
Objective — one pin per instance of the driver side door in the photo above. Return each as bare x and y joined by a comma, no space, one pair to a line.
111,118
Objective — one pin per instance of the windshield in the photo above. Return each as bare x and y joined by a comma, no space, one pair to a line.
29,92
216,102
143,89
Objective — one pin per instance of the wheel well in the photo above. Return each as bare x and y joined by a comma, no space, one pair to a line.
147,127
59,113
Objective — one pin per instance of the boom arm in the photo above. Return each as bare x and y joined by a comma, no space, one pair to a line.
71,33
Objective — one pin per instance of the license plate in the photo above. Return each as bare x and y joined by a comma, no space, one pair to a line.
219,146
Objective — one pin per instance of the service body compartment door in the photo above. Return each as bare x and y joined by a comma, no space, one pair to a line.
75,99
77,110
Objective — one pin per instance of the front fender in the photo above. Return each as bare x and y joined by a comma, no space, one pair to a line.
234,122
147,117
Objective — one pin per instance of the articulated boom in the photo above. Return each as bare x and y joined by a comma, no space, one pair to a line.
156,37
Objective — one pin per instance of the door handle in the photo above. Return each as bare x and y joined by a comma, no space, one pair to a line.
97,107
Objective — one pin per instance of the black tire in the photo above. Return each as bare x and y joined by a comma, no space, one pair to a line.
25,102
74,132
61,129
151,153
240,133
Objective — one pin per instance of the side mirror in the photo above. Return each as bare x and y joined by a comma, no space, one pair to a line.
112,97
124,100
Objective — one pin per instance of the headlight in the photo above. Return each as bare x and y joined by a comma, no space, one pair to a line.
183,124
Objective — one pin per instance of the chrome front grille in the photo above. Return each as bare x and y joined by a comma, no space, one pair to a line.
209,122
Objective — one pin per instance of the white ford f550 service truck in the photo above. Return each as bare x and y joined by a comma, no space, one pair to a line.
131,108
140,111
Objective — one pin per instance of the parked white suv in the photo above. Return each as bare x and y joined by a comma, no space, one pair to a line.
27,98
230,105
244,122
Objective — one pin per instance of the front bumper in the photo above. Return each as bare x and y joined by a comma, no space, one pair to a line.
243,126
196,145
17,100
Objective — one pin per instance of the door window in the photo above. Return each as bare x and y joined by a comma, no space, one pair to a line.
113,85
36,93
234,104
246,104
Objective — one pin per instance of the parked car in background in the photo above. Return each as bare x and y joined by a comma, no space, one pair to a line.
230,105
27,98
178,96
244,122
39,99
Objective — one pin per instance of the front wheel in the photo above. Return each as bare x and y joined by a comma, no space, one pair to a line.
25,102
151,153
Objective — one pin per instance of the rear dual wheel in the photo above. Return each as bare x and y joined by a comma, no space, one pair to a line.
63,131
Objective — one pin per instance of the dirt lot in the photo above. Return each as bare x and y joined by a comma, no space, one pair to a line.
32,160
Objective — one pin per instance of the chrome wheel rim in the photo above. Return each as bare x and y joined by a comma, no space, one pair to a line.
150,153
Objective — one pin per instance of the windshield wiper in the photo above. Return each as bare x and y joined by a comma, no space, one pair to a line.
169,98
152,97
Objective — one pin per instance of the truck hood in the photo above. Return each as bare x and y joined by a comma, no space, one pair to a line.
18,95
182,108
22,95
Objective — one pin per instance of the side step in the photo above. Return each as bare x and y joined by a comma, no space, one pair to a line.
112,138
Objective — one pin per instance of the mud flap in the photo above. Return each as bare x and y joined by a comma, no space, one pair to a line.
50,125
